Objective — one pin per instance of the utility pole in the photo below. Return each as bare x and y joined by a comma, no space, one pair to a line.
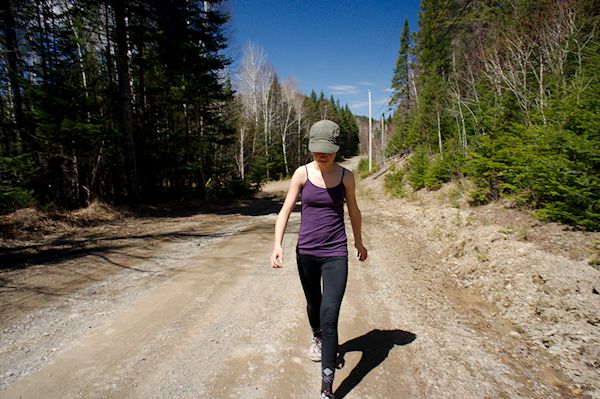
370,136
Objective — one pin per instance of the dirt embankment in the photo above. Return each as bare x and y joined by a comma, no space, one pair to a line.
453,302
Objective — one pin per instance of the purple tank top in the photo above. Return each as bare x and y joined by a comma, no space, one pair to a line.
322,230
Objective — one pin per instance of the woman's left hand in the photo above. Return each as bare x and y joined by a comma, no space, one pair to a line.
362,253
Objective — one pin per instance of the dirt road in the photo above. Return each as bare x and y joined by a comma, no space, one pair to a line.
188,307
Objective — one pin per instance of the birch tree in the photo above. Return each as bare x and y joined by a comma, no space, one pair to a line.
267,108
289,90
249,85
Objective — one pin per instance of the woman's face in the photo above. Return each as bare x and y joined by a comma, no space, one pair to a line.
323,158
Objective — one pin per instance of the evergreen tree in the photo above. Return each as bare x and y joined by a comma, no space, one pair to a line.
401,77
125,110
508,79
97,73
433,44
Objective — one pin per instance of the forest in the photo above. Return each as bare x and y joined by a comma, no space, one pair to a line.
507,95
132,101
129,101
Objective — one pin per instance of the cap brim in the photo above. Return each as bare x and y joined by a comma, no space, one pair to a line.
323,147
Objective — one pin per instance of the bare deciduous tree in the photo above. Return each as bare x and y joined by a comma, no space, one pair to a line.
253,85
267,107
289,90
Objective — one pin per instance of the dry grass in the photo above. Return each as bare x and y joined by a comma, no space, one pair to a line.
28,223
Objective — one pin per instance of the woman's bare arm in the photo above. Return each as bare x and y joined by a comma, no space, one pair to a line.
355,215
298,179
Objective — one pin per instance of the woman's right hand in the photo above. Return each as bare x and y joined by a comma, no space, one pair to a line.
277,258
362,252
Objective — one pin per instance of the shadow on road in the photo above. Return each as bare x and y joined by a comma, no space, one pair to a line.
80,243
60,250
258,205
375,347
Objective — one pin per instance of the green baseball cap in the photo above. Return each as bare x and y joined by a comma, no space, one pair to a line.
323,136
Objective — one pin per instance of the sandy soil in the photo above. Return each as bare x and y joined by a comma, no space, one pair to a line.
453,302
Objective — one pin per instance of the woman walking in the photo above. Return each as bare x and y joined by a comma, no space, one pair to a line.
322,252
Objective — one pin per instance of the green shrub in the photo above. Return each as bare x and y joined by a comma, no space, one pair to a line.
363,167
438,172
12,198
544,167
15,173
416,167
394,183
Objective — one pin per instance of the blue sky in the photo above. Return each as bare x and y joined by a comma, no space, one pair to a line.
343,48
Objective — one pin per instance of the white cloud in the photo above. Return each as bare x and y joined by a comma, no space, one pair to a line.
359,104
343,89
366,83
389,90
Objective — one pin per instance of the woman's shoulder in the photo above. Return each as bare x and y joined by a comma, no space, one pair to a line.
300,174
302,169
347,177
345,171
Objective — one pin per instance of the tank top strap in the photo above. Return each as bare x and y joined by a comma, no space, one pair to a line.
306,169
343,171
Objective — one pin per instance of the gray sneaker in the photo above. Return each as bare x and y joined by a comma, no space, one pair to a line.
327,395
314,353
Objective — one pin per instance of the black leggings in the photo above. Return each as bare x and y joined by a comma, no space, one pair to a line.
324,309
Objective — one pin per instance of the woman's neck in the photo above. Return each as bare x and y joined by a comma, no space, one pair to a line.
328,168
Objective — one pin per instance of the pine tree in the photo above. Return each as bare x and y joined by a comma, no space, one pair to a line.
125,110
433,47
401,78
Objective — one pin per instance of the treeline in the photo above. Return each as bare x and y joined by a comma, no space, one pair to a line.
506,93
113,99
130,100
274,118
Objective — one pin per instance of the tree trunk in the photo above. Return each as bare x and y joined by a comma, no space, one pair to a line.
464,130
109,59
80,55
14,74
439,129
74,179
147,177
42,28
266,137
266,127
94,172
241,162
414,85
203,177
124,100
283,144
299,146
542,94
